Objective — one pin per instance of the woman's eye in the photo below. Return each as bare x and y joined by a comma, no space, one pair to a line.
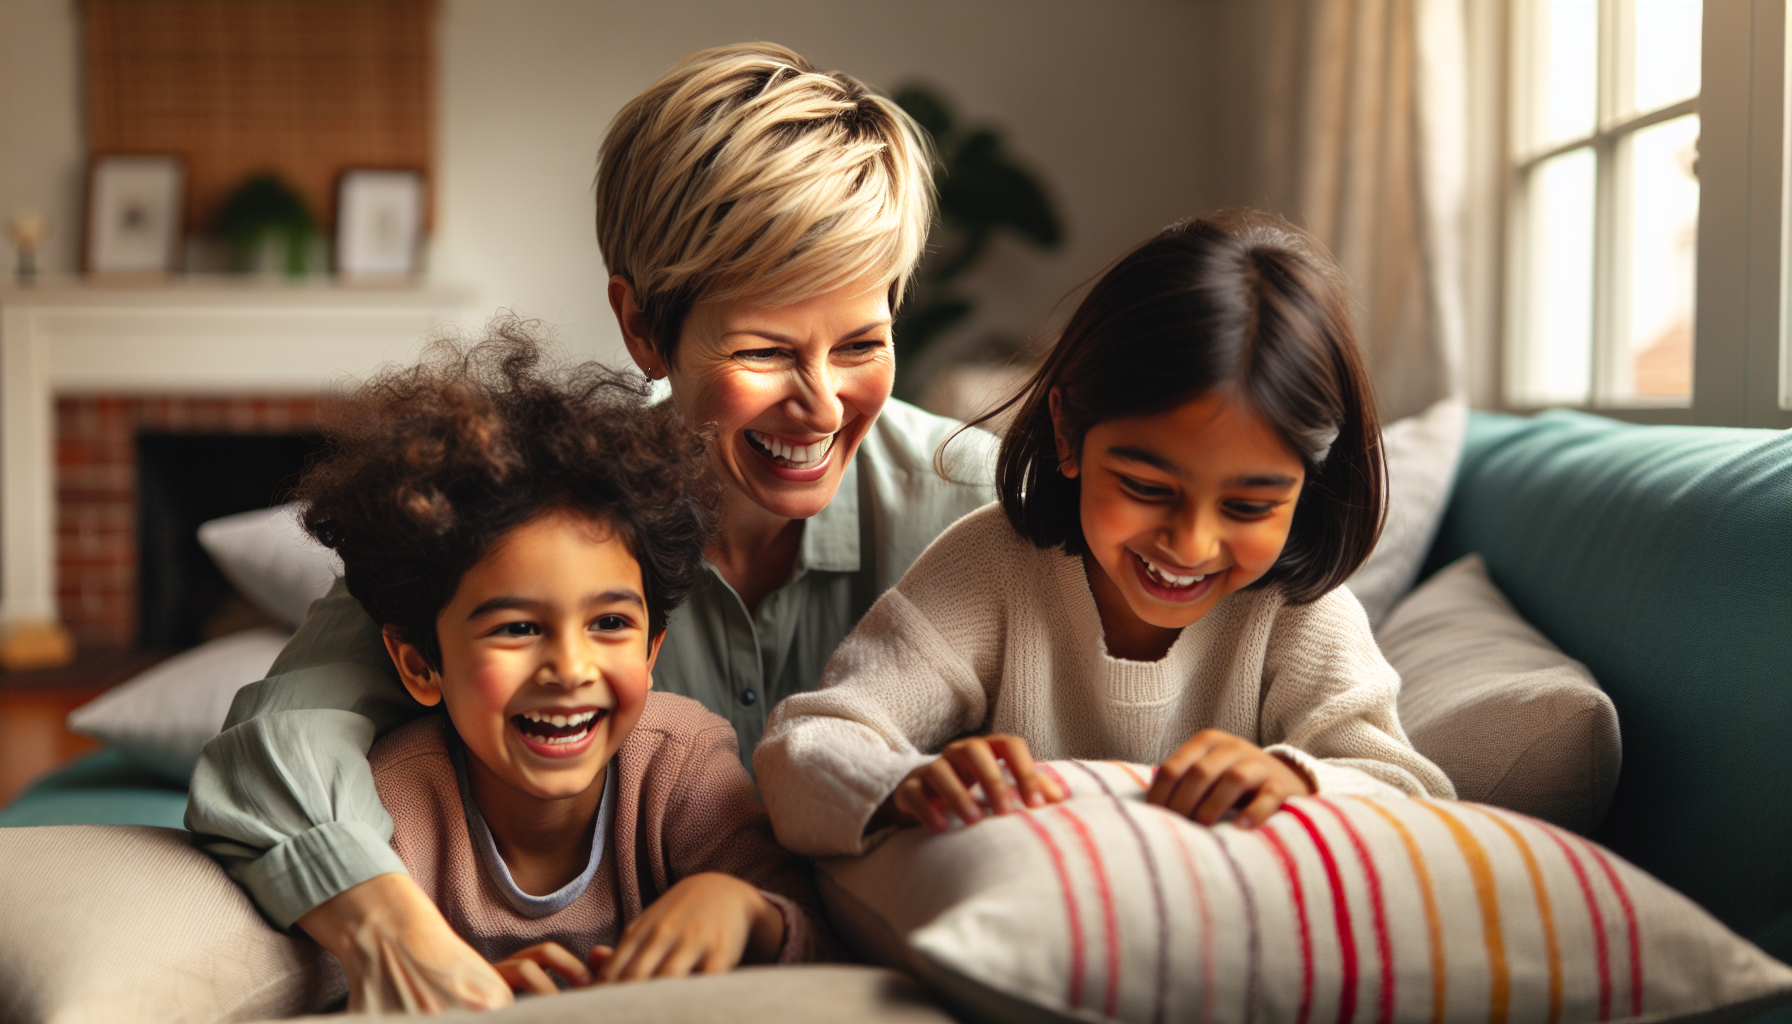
1144,490
759,355
610,623
861,348
517,629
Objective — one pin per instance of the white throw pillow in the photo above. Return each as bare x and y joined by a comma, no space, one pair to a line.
272,560
1422,453
1509,718
129,924
163,717
1104,908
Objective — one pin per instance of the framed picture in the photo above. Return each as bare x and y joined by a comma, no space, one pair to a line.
379,221
134,214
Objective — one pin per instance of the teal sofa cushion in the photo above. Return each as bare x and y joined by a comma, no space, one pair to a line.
103,788
1661,557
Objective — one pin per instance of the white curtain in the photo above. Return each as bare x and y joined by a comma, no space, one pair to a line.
1365,145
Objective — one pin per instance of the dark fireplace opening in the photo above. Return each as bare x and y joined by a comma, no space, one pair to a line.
183,480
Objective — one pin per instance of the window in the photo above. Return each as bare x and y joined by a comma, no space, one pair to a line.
1606,122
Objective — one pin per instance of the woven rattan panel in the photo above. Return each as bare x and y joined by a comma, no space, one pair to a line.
305,88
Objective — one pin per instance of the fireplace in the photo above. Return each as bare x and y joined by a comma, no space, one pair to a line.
135,478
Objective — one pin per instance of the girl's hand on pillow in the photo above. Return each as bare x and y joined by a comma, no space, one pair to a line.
1216,772
942,787
526,970
707,922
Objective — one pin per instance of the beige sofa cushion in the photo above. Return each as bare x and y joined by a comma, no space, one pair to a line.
1510,719
800,994
116,924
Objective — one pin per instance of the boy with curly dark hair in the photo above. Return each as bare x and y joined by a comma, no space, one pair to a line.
521,533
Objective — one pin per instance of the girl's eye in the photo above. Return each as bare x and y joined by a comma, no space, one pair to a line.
1250,509
517,629
610,623
1150,492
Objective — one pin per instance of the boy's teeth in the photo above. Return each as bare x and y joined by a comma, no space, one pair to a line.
559,721
799,456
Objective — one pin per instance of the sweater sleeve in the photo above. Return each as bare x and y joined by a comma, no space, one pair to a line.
715,823
918,671
1329,704
283,797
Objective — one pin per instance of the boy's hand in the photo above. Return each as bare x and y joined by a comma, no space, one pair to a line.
1216,771
942,786
705,923
526,970
399,952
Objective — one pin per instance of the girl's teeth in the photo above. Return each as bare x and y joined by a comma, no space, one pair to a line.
1170,579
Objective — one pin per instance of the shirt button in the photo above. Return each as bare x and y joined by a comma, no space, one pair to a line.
748,697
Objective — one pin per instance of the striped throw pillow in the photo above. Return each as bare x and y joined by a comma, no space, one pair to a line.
1337,910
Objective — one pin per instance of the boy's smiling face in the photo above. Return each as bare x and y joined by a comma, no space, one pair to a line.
546,657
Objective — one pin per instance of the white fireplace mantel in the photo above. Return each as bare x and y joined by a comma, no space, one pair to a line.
184,337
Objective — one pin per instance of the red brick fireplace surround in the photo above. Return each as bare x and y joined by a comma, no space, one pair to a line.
96,494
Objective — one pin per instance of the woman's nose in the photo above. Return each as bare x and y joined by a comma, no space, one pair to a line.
816,402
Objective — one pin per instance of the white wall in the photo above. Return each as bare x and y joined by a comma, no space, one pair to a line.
1112,101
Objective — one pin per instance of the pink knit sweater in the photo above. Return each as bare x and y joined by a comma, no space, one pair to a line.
683,804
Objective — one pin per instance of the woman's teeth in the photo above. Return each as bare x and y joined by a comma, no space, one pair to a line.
792,456
555,727
1170,579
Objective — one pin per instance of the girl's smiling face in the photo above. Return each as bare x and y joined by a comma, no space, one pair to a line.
792,391
546,657
1178,510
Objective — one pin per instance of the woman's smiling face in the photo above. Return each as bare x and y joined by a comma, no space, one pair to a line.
791,391
1182,508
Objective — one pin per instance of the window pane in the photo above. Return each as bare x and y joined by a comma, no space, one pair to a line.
1553,361
1664,64
1657,246
1565,64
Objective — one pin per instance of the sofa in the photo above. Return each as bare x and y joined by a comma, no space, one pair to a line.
1659,557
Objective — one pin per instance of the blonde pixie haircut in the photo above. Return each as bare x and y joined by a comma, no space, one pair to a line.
747,174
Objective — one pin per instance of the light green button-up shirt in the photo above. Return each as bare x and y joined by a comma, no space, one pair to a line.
284,796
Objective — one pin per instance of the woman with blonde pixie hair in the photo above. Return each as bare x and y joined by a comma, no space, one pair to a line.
760,220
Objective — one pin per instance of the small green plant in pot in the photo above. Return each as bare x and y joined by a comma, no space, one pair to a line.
983,193
263,211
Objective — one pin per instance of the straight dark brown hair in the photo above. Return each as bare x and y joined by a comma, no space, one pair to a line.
1243,302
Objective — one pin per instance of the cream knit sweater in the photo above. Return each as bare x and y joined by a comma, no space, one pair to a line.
988,633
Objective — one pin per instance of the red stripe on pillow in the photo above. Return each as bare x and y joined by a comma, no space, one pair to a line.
1636,948
1286,859
1384,944
1340,916
1110,926
1601,952
1071,911
1202,911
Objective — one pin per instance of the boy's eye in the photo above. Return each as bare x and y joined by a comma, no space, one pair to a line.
517,629
1142,489
610,623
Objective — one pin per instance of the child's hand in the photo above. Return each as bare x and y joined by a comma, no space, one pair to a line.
706,923
1216,771
942,786
526,970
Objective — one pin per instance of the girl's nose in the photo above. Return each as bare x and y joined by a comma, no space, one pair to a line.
1194,537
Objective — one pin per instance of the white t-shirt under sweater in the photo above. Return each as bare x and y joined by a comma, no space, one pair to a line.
988,633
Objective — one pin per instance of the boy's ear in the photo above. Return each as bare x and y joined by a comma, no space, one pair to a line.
653,653
423,682
1066,457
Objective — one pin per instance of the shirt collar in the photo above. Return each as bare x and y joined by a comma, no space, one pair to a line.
831,536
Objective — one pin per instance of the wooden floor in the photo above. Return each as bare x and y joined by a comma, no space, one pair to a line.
34,736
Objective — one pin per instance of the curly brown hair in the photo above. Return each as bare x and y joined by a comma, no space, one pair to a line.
429,465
